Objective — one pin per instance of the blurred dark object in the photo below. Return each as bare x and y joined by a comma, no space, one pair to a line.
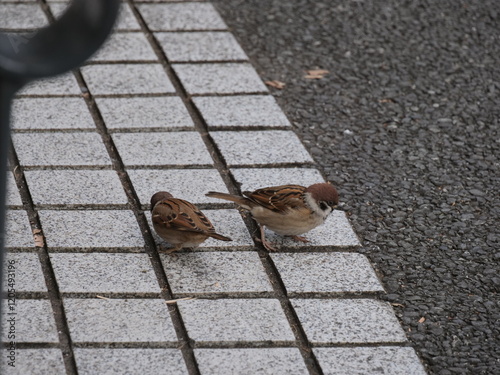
53,50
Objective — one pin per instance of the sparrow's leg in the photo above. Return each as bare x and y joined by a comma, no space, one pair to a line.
171,250
300,239
266,243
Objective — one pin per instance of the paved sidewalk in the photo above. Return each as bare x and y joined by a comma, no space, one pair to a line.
172,103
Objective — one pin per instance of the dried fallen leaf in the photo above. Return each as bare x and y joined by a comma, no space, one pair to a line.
276,84
316,73
38,238
102,297
421,320
179,299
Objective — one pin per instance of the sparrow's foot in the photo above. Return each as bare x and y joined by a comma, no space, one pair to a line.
300,239
169,250
267,245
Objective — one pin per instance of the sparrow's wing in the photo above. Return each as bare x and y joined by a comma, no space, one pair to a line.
181,215
278,198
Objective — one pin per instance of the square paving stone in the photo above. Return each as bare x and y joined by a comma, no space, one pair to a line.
13,198
216,272
119,320
369,360
64,84
23,273
183,16
245,111
60,149
235,320
129,361
151,113
201,46
104,273
75,187
162,149
261,147
125,47
343,321
22,16
127,79
126,19
46,113
335,231
251,179
29,320
226,222
187,184
326,272
18,232
227,78
91,229
269,361
34,362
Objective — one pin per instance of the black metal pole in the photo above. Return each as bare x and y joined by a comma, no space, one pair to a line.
53,50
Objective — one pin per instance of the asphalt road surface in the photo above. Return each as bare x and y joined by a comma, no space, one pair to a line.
406,123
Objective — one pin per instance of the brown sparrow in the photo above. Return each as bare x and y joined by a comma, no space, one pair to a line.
288,210
180,223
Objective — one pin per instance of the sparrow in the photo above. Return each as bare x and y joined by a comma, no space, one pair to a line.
180,223
289,210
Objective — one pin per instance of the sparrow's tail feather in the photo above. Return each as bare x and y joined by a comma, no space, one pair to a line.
218,236
230,197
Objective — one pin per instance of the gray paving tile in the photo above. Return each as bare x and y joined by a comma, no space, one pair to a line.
216,272
255,178
342,321
260,147
60,149
326,272
13,199
200,46
187,184
64,84
46,113
235,320
151,113
127,79
226,222
91,229
335,231
23,273
22,16
269,361
226,78
368,360
104,273
129,361
34,362
75,187
162,149
119,320
30,320
18,232
126,19
131,46
221,111
187,16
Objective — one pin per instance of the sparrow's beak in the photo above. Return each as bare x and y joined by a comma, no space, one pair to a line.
338,208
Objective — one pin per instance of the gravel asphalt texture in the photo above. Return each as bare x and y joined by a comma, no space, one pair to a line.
406,124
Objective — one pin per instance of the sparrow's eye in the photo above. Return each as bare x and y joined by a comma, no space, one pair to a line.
323,206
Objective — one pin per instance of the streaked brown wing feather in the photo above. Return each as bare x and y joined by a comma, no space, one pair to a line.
189,217
278,198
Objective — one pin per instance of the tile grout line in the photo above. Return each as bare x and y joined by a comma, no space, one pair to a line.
150,246
301,340
54,295
135,206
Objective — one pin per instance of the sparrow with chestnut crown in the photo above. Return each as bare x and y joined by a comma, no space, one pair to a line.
289,210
